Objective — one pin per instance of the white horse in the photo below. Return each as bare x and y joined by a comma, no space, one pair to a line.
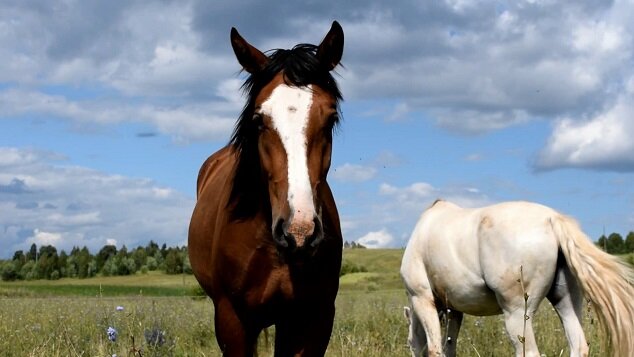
468,261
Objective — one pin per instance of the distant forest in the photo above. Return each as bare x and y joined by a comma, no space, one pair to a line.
47,263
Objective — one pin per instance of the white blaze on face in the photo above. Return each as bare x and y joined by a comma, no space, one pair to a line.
289,107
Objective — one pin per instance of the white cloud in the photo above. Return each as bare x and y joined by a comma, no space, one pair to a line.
399,207
185,123
378,239
601,142
477,67
474,121
400,111
46,203
416,190
353,173
44,238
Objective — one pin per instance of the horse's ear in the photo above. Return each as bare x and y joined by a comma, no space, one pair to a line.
406,312
251,59
331,48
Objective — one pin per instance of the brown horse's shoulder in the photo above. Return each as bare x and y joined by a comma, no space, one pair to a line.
215,165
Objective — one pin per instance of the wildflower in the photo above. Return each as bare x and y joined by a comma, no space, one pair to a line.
119,308
112,334
155,337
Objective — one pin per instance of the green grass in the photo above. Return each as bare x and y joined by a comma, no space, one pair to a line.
152,284
382,269
70,317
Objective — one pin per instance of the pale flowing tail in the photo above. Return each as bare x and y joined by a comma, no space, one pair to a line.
606,281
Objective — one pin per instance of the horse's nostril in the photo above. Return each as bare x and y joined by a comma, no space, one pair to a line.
279,235
318,233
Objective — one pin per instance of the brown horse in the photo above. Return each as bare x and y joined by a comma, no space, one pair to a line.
264,238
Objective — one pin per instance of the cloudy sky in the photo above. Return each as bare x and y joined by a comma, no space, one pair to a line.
108,109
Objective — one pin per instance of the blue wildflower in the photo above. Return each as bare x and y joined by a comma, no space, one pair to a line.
119,308
112,334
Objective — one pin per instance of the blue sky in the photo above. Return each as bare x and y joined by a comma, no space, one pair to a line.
108,109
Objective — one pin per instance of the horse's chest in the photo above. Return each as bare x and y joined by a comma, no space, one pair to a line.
271,288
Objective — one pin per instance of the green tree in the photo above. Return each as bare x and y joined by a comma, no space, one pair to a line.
159,260
61,264
629,243
152,264
28,271
83,262
140,256
19,259
111,267
47,261
187,266
71,268
104,254
164,250
151,249
32,254
616,245
173,262
126,266
8,271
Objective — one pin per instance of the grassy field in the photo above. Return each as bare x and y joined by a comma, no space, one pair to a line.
159,318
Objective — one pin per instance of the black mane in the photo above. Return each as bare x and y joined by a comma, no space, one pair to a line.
300,67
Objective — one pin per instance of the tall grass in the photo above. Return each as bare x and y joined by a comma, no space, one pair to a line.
366,324
51,319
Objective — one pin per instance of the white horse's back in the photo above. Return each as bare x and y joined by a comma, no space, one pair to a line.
469,261
465,255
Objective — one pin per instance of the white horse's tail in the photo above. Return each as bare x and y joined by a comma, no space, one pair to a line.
606,281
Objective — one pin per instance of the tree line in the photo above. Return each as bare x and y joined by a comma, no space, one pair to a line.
615,244
46,263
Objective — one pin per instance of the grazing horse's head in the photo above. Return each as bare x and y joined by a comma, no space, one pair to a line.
284,136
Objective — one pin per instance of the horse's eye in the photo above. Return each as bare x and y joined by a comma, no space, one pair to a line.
258,120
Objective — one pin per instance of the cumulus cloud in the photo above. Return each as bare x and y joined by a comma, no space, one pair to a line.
47,202
399,207
471,67
378,239
183,123
353,173
601,142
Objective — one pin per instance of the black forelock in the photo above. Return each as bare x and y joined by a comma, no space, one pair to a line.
300,67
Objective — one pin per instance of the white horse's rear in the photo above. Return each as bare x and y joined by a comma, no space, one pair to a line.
468,261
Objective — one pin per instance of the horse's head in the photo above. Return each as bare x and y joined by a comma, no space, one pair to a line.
416,338
285,135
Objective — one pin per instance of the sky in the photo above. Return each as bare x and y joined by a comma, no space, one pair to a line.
108,109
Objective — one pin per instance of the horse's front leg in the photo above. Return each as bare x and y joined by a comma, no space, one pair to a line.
425,309
453,322
234,338
304,332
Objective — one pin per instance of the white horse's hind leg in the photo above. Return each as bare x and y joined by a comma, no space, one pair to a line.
425,309
567,299
514,323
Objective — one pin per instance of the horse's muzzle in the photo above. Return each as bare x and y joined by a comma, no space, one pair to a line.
299,235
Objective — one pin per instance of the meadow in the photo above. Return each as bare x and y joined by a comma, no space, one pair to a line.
161,315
